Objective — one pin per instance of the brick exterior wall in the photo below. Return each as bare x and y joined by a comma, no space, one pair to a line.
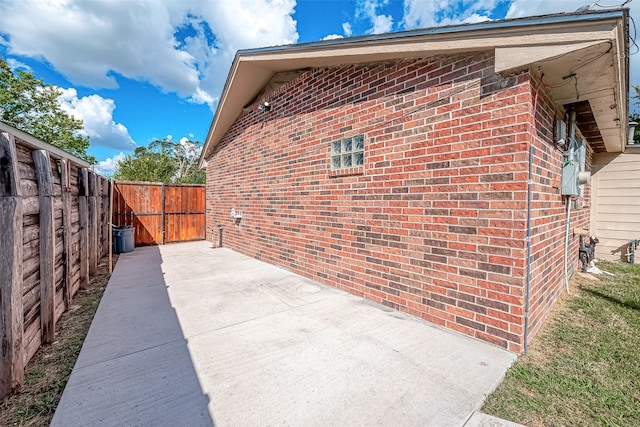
434,223
549,212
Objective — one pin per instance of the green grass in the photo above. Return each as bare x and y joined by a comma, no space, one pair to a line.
583,367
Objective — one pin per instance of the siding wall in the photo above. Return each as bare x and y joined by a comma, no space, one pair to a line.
434,224
615,217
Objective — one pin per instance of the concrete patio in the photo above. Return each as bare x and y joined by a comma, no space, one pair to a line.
187,335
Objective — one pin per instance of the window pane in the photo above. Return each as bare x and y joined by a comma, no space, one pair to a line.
346,145
358,158
358,142
335,147
347,152
335,162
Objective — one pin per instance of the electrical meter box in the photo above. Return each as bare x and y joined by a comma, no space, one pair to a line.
573,171
560,132
570,178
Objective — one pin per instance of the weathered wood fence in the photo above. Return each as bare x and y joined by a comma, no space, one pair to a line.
160,213
54,225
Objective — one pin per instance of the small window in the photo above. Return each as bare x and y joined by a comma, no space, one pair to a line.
347,152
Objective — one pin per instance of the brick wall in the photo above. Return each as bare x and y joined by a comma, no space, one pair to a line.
433,224
549,212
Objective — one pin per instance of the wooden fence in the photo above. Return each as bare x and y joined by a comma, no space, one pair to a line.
160,213
53,232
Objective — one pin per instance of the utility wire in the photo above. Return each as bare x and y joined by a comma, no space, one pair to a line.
610,6
593,59
633,39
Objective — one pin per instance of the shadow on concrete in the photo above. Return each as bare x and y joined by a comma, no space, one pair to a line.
135,367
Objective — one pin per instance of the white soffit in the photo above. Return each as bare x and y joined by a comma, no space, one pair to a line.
511,57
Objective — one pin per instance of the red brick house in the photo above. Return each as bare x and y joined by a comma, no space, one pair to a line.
396,166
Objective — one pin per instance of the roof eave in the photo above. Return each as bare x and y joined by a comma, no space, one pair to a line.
265,62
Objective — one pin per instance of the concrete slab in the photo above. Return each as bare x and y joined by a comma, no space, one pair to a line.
241,342
483,420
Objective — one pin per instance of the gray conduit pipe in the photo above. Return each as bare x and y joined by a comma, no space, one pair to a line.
566,246
529,189
572,135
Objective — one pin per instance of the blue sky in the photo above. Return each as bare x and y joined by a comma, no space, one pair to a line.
139,70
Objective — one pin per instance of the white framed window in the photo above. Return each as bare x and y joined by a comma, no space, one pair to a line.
347,152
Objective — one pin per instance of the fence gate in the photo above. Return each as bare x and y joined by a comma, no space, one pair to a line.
160,213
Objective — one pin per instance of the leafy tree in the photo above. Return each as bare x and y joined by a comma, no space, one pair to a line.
187,156
31,105
634,116
146,164
163,161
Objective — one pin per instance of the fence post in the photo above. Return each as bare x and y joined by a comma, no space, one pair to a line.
163,216
83,208
47,239
11,311
93,222
65,183
104,217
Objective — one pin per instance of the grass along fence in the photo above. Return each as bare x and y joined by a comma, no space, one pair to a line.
54,225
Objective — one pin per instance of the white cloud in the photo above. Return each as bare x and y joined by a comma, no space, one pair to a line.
346,27
382,24
106,167
96,113
239,24
368,10
181,47
332,37
431,13
15,64
202,97
521,8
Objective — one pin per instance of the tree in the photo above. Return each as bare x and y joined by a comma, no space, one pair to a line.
31,105
187,155
163,161
635,117
145,165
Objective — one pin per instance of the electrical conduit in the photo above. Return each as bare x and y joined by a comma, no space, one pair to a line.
566,245
529,190
572,135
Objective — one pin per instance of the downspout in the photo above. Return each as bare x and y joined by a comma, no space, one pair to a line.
529,190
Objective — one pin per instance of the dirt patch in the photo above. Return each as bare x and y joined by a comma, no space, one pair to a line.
48,371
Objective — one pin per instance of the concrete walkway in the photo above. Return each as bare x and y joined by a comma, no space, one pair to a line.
187,335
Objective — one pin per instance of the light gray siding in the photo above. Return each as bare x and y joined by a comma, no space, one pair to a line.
615,213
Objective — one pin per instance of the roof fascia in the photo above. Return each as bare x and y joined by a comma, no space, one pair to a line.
562,18
306,52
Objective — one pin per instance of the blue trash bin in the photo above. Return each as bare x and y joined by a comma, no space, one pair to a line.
123,239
